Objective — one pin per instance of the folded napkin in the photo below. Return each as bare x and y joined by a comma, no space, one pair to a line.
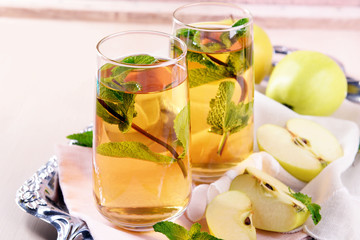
336,188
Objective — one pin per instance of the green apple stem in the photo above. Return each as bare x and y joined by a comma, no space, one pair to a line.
223,141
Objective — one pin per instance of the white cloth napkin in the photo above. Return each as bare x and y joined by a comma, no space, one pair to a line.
336,188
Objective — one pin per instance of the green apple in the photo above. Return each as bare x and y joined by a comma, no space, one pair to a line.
274,208
229,216
303,148
263,51
308,82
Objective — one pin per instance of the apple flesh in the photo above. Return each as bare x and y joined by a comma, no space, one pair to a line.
229,216
308,82
274,208
304,148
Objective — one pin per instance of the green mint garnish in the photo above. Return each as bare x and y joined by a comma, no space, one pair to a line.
132,150
210,47
193,38
240,22
237,63
225,117
82,139
140,151
119,73
225,39
175,231
229,38
203,59
313,208
215,69
181,127
187,35
118,107
185,32
140,60
201,76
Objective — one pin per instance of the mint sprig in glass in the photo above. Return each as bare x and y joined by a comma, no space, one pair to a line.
220,70
142,129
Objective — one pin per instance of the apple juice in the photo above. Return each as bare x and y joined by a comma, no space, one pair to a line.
141,161
221,84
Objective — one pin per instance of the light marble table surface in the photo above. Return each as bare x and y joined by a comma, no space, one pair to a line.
47,76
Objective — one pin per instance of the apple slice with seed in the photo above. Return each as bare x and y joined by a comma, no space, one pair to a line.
303,148
274,208
229,216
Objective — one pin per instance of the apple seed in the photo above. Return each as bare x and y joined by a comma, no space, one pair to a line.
269,186
247,221
298,208
305,141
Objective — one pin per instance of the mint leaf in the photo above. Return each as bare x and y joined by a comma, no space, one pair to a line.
82,139
116,106
237,63
171,230
209,47
127,110
241,32
219,107
140,60
201,58
120,111
119,73
186,32
195,228
105,114
175,231
229,38
238,116
226,40
201,76
132,150
225,117
187,35
203,236
313,208
181,127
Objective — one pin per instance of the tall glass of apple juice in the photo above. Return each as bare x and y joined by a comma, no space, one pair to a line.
142,129
220,70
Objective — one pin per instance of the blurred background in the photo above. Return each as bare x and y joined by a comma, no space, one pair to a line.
327,14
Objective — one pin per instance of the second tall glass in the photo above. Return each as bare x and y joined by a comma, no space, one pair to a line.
220,70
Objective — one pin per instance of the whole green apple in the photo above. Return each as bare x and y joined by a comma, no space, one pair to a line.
308,82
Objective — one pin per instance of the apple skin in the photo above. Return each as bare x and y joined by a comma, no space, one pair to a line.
263,51
309,82
274,209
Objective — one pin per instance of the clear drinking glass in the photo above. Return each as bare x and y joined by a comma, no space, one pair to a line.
219,38
141,151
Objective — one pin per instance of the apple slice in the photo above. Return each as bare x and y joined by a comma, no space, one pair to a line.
274,208
303,148
229,216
